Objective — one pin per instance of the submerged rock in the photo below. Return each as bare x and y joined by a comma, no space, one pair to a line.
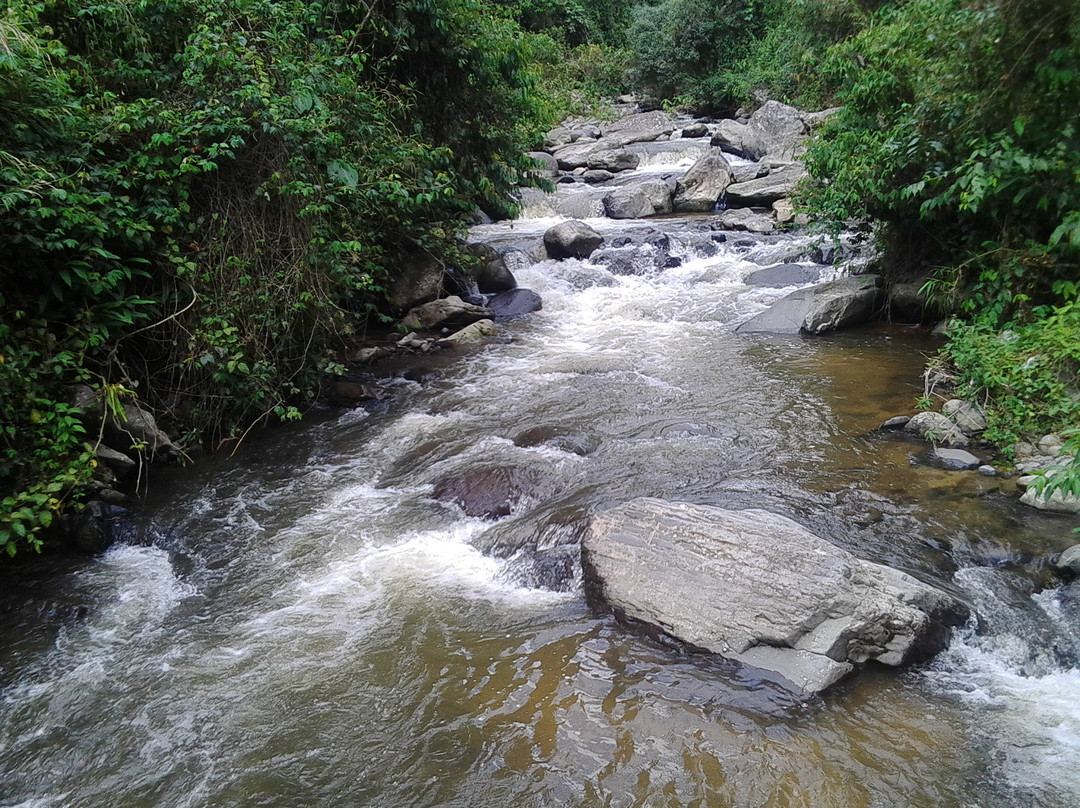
515,303
759,588
572,239
818,309
490,492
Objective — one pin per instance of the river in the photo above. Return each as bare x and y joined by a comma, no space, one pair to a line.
304,625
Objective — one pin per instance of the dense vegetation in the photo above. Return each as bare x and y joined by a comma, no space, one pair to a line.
200,199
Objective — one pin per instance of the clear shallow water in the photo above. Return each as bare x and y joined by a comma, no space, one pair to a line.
303,625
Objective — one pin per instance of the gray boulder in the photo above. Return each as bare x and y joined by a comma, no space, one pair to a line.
818,309
449,312
736,138
955,459
548,168
648,198
783,275
936,427
970,419
744,172
1069,561
572,239
695,130
701,186
746,219
759,588
559,136
576,155
515,303
614,160
475,332
597,175
778,184
1057,502
641,127
419,279
778,131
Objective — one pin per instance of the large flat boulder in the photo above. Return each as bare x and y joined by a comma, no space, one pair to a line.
701,186
778,184
759,588
612,160
647,198
818,309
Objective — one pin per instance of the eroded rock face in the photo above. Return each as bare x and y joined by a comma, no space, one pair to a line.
821,308
777,184
703,184
759,588
779,131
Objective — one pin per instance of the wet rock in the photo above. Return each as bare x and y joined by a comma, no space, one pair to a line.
594,176
969,418
783,275
488,493
895,423
936,427
345,393
93,529
475,332
492,275
759,588
906,304
648,198
365,355
548,168
614,161
695,130
138,431
419,279
572,239
120,463
449,312
701,186
777,184
818,309
746,219
955,459
1069,561
514,303
556,438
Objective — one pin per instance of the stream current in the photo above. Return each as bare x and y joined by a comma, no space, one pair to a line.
305,625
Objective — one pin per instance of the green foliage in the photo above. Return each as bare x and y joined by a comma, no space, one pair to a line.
576,80
1029,375
200,199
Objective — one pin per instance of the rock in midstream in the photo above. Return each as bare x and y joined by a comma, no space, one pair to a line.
759,588
821,308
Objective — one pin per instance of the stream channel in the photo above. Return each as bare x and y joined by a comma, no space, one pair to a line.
305,625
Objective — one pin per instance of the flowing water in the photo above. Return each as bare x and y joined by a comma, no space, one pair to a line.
305,625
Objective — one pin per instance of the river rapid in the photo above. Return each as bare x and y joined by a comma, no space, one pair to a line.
305,625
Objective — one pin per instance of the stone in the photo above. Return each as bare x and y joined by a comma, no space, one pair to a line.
448,312
559,136
934,426
595,175
896,422
648,198
557,439
514,303
1058,502
906,303
955,459
488,493
784,211
818,309
703,184
644,125
345,393
492,274
778,131
1069,561
735,138
969,418
475,332
815,119
139,431
761,589
777,184
576,155
745,172
695,130
614,160
548,168
572,239
987,470
748,220
92,530
1051,444
783,275
120,463
419,279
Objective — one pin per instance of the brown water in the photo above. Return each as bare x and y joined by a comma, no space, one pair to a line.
303,625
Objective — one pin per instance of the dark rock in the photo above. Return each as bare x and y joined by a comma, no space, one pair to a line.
759,588
784,275
818,309
92,530
345,393
419,279
514,303
554,437
895,423
695,130
488,493
905,304
572,239
1069,561
120,463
